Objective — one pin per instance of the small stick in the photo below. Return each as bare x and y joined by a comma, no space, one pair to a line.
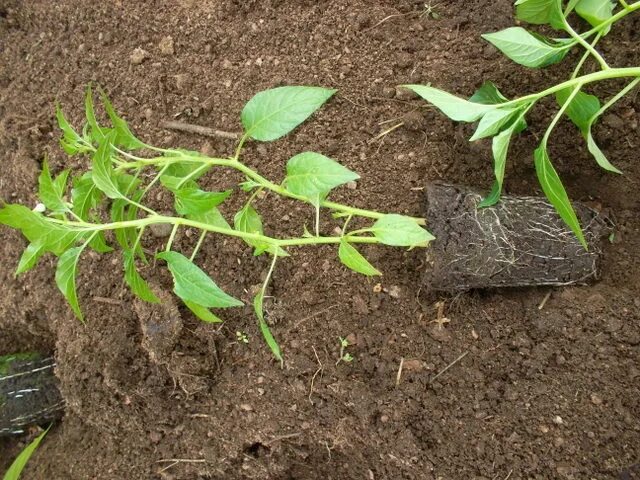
544,301
399,375
319,312
386,132
110,301
319,370
174,461
282,437
449,366
198,130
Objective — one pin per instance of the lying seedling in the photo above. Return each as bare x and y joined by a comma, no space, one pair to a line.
501,118
114,184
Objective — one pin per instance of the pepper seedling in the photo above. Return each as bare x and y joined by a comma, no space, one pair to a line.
502,118
114,184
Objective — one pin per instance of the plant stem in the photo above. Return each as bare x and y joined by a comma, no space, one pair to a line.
585,56
564,107
198,245
589,48
256,177
179,221
172,236
589,78
154,181
621,14
615,98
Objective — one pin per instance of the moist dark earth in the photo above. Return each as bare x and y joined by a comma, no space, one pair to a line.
541,389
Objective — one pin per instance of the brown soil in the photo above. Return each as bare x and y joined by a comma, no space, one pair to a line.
541,393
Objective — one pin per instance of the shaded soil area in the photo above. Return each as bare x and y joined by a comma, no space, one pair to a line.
543,389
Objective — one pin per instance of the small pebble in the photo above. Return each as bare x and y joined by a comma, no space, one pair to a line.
389,92
596,399
138,56
558,420
394,291
246,407
166,46
352,185
160,230
405,94
413,365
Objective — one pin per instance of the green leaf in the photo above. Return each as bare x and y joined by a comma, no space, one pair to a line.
201,312
192,200
85,196
581,109
134,280
103,174
30,257
53,237
210,217
400,231
122,211
123,136
51,191
600,157
248,220
248,185
493,122
178,171
525,48
273,113
15,469
540,12
313,176
455,108
353,259
194,285
488,94
66,277
596,12
555,192
264,327
95,131
99,243
500,147
71,141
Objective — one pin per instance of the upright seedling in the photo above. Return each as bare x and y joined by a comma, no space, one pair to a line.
501,118
66,224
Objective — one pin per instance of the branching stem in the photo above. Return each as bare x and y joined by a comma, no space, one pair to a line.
255,176
179,221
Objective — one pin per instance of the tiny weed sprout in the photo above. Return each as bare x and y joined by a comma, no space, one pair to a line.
344,356
242,337
501,118
105,207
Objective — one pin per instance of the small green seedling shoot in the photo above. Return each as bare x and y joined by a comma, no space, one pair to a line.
107,207
344,355
502,119
242,337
